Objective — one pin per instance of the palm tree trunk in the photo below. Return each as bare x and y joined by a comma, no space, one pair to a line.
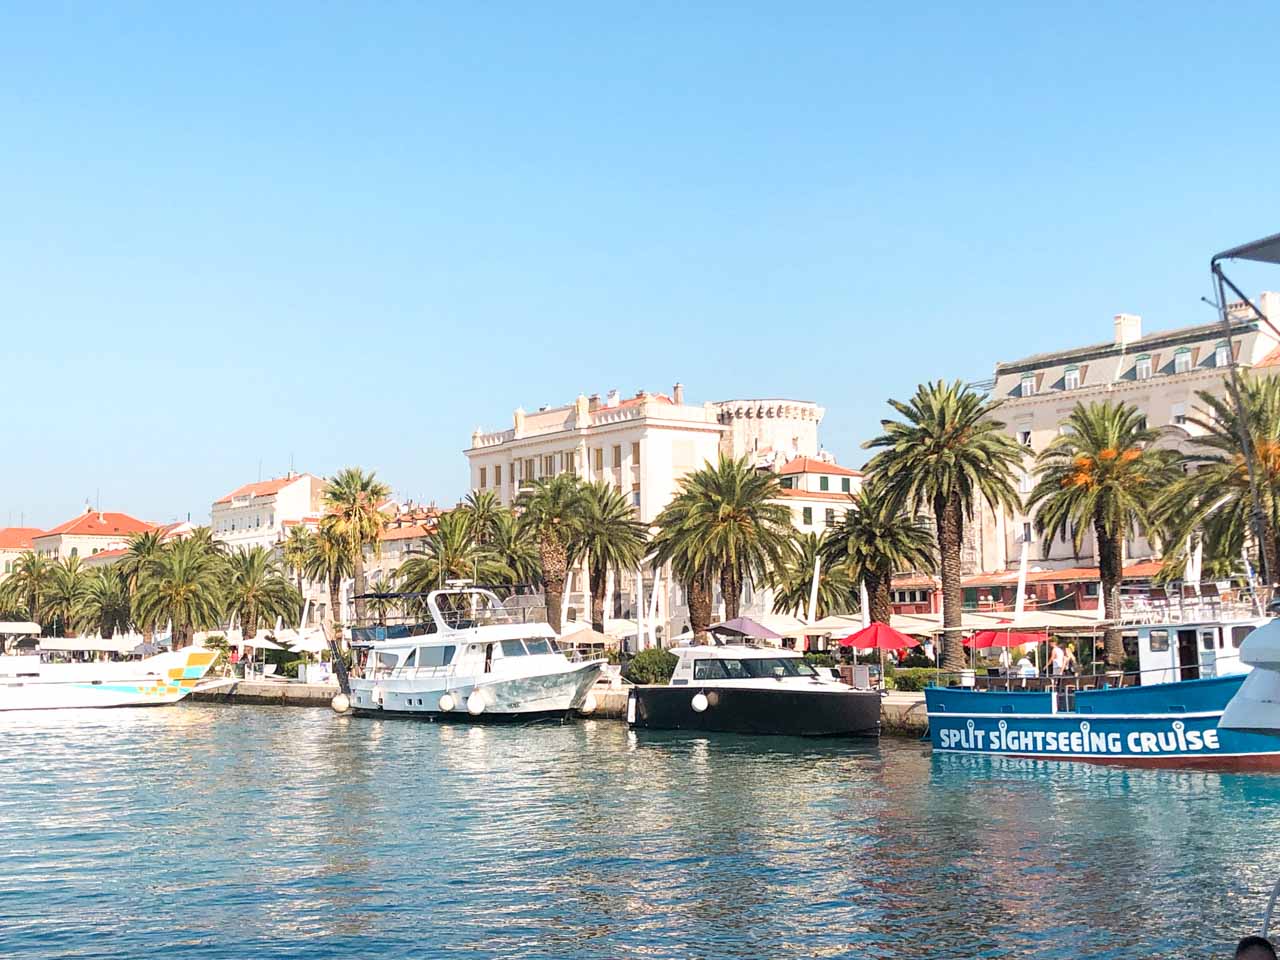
358,567
949,518
335,601
598,578
699,593
555,567
1111,573
730,589
881,601
250,623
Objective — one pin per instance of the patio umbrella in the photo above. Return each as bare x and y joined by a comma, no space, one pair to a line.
878,636
984,639
745,627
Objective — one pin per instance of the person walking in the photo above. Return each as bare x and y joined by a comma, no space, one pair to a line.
1057,660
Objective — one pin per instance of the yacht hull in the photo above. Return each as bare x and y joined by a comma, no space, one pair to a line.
155,681
536,697
755,710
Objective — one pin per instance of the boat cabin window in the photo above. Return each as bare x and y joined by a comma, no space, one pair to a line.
1159,641
555,647
385,663
1206,639
538,646
709,670
1238,634
436,656
754,668
512,648
409,661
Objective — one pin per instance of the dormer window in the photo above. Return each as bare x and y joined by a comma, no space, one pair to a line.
824,483
1028,386
1222,354
1071,378
1142,369
1182,360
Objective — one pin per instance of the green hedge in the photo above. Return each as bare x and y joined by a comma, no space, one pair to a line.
912,679
820,659
651,666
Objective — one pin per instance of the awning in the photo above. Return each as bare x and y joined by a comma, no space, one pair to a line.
587,637
1266,250
19,628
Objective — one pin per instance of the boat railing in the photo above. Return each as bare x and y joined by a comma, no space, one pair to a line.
1139,609
1013,682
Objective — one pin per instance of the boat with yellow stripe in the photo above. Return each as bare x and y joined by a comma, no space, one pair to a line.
30,683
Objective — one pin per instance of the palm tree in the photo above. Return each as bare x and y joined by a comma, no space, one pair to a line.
27,584
609,537
1102,472
67,585
874,540
550,513
482,510
513,546
330,562
793,584
105,606
1214,500
353,499
182,584
295,550
946,453
142,549
690,564
449,553
258,592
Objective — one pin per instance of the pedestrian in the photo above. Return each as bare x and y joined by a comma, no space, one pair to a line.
1057,659
1071,666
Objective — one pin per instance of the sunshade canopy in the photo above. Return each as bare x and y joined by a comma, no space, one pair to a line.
1266,250
1004,638
587,637
878,636
746,627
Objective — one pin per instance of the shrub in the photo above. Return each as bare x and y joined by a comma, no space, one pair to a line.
651,666
819,659
913,679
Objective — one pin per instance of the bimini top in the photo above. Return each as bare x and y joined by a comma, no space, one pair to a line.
732,651
1266,250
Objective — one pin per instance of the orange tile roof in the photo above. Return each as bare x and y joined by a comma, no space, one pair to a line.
93,523
810,465
815,494
1272,359
404,533
18,538
115,554
263,488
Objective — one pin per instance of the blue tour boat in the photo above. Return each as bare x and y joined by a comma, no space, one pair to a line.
1169,714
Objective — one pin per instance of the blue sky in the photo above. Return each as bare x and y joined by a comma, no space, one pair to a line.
349,234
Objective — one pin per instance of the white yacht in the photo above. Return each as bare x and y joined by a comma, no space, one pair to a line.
470,658
31,682
739,688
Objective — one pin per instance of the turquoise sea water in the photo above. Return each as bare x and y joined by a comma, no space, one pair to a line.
210,831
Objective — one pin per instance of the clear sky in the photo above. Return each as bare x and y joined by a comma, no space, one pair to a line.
236,235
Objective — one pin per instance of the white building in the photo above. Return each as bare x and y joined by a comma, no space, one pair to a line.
92,532
816,490
14,542
258,514
1159,373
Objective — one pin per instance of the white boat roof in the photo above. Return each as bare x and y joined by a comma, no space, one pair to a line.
19,628
732,651
489,633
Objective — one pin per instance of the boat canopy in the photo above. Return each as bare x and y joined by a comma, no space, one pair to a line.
1266,250
19,628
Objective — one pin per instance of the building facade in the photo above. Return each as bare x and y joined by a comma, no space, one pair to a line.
90,533
816,490
1159,373
14,542
259,514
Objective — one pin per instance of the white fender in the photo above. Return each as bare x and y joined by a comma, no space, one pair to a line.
700,702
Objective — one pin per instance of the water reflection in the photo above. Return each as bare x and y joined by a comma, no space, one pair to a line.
225,832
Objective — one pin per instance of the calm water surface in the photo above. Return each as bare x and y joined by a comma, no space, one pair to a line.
210,831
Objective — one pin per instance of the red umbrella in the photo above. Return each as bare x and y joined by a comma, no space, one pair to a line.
1004,638
878,636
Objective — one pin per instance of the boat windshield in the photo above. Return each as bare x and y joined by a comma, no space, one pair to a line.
752,668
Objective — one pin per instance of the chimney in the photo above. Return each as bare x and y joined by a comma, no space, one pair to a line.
593,402
1128,328
611,398
677,394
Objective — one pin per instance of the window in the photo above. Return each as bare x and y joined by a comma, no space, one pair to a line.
512,648
787,483
497,477
1028,386
1091,589
538,646
824,483
410,660
548,464
1182,360
569,461
635,494
1071,378
1142,369
830,517
1026,532
1222,354
1206,639
435,656
1159,641
709,670
1238,634
1179,411
74,551
1024,483
530,467
484,477
617,456
1024,438
635,454
599,459
807,516
844,484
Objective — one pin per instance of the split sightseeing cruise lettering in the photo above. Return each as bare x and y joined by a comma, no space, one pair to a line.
1080,739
